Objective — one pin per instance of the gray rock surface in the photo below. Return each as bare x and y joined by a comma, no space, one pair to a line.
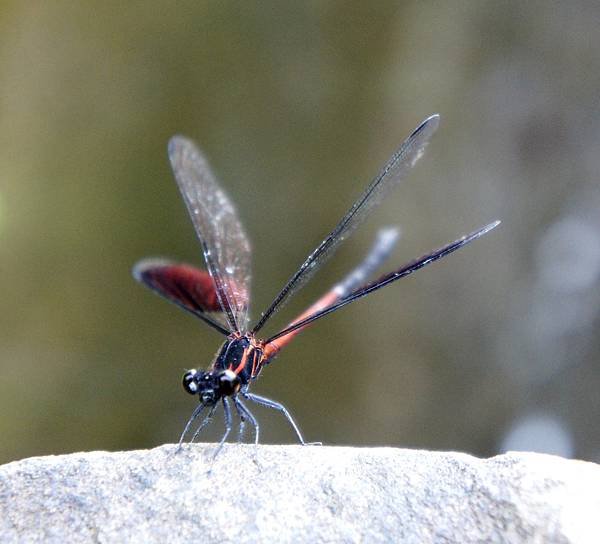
298,494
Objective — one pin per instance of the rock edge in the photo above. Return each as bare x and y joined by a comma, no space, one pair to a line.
298,494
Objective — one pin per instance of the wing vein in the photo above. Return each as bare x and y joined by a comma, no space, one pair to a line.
392,173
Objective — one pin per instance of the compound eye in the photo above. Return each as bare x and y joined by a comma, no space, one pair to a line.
229,382
189,381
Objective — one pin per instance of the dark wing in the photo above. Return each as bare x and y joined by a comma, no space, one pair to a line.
224,242
190,288
387,278
392,173
381,250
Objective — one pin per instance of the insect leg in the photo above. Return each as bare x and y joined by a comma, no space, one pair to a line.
227,411
204,423
244,412
242,425
279,407
193,417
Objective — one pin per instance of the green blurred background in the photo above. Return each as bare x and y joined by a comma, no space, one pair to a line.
298,105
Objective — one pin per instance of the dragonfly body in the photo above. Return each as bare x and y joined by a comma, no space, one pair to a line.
220,295
241,357
237,362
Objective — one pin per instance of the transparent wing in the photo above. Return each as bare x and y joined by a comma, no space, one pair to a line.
392,173
384,280
381,250
224,242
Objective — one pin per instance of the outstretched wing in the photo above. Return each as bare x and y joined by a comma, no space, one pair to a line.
381,250
224,243
384,280
392,173
190,288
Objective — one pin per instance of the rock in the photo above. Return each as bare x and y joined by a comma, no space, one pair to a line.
298,494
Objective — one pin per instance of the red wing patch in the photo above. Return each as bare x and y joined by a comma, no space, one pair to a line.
187,286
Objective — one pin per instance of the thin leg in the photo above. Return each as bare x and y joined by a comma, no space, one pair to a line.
243,416
276,406
245,413
242,428
193,417
227,410
204,423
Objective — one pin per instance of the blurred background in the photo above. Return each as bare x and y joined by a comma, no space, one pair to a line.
297,106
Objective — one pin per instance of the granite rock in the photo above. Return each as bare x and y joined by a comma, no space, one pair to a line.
298,494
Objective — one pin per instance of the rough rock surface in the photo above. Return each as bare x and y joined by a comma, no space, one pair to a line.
298,494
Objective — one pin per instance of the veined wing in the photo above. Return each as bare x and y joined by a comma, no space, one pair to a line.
190,288
392,173
386,279
384,244
224,243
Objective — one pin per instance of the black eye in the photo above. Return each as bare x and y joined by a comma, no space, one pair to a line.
229,383
189,381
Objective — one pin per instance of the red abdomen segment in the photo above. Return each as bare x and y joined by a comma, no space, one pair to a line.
271,349
380,251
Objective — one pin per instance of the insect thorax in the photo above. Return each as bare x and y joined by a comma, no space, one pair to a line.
239,354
